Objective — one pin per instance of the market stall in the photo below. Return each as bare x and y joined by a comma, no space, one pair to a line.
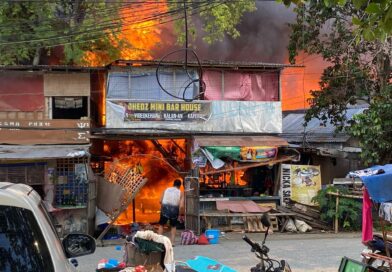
238,174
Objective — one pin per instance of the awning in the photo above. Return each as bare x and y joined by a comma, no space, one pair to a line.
20,152
240,141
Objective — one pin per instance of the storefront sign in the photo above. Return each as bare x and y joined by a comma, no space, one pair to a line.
299,183
166,111
59,123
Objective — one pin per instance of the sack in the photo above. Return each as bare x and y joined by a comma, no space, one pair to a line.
302,226
188,238
203,240
290,226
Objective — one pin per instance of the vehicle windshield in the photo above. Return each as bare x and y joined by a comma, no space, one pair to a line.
22,244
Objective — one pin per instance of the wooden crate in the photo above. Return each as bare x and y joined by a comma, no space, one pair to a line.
274,223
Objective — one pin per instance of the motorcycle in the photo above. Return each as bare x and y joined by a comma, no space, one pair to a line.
266,264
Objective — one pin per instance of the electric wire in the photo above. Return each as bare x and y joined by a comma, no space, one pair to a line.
111,25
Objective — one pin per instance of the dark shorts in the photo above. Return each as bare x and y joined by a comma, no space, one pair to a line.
169,213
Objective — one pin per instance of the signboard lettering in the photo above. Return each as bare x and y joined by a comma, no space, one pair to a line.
166,111
45,124
299,183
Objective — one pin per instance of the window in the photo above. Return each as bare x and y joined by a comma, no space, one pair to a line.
28,173
69,107
22,244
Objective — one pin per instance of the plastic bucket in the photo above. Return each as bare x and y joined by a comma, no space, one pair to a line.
213,236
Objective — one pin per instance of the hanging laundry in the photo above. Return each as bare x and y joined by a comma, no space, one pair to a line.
385,211
367,220
365,173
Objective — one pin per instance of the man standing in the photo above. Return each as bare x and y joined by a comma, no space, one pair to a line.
172,201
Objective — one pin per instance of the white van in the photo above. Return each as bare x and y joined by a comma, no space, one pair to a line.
28,240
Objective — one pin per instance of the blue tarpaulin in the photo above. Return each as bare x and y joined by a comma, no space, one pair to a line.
379,186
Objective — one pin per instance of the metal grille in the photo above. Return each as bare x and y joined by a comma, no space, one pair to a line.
71,182
28,173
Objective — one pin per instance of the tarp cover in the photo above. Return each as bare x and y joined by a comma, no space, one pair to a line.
241,206
379,186
240,86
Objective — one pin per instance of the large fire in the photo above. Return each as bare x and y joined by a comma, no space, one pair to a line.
160,171
298,82
139,29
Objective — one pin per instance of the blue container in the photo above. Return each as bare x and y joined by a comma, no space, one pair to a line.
213,236
204,264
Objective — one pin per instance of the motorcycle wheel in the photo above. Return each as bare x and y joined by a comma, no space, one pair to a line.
285,266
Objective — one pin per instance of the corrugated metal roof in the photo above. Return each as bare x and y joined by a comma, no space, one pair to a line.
206,64
20,152
315,131
49,68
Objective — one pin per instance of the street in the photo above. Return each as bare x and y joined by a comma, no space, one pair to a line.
319,252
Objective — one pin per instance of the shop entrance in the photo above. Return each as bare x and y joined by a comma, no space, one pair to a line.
255,181
159,161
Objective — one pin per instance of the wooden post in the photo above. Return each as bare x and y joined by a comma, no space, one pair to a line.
336,214
277,178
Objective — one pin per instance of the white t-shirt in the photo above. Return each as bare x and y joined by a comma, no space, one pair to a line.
172,196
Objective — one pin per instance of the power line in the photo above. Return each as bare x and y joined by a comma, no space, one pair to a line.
109,27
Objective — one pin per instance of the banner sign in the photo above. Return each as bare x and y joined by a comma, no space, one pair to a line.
258,153
166,111
299,183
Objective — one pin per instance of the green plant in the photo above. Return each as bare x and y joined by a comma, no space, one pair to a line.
349,210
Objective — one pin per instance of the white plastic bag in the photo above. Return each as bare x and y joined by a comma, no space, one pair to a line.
302,226
290,226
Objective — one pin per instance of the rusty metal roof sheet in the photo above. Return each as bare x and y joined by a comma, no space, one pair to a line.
49,68
206,64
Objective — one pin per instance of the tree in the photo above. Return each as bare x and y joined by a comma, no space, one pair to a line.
87,28
372,18
17,22
359,71
31,28
217,18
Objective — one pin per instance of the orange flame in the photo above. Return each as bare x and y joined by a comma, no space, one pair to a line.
298,82
139,31
159,173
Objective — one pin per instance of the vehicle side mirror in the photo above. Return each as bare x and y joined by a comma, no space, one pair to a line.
77,244
265,220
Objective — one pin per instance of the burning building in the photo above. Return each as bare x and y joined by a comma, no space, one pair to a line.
220,139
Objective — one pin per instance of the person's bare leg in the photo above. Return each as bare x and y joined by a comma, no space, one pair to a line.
173,234
160,229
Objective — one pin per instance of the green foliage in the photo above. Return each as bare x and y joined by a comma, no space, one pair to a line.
372,18
374,129
358,72
20,21
349,211
219,19
29,28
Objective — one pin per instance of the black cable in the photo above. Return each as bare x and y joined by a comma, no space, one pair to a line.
202,84
112,25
